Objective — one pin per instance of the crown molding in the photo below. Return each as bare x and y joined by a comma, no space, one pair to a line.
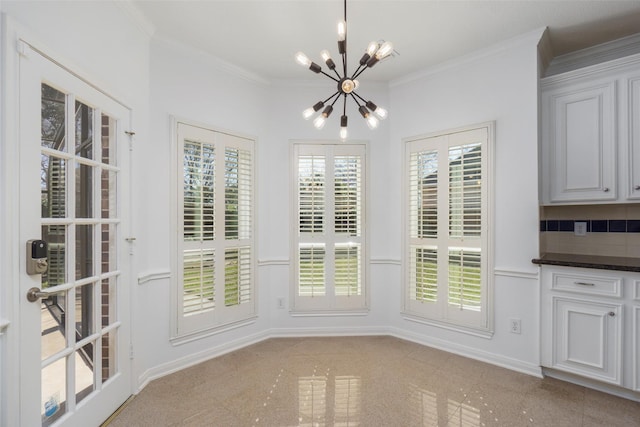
130,9
496,49
604,52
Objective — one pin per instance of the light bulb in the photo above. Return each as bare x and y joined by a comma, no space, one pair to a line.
342,31
308,113
356,84
303,60
381,113
372,122
343,127
319,122
371,49
325,55
385,50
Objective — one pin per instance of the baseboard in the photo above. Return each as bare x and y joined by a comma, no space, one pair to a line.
199,357
451,347
596,385
471,353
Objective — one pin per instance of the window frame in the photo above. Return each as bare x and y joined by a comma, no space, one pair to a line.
222,317
438,313
329,304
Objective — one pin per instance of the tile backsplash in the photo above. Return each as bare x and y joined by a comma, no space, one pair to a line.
611,230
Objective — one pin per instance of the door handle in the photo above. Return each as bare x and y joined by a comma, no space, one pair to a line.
34,294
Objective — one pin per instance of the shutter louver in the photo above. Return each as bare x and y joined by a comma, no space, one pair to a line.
347,269
198,191
311,270
311,205
348,401
465,176
423,176
347,191
198,281
424,274
237,275
465,278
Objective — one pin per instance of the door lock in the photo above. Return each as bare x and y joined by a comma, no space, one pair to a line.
36,256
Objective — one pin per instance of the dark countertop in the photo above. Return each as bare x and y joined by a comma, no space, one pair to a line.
589,261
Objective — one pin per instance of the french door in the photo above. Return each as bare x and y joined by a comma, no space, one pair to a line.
74,290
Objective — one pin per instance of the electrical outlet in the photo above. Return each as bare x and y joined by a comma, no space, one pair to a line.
514,326
281,302
580,228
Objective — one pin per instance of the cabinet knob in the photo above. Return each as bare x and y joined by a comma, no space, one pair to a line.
605,189
637,187
612,313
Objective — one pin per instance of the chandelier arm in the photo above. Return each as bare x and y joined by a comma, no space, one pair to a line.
356,72
344,105
330,76
334,94
336,98
355,76
337,74
361,98
355,99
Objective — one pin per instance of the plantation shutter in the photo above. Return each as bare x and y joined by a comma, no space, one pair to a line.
329,231
447,217
216,243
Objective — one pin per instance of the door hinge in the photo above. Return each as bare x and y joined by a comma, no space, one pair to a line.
22,47
130,351
131,135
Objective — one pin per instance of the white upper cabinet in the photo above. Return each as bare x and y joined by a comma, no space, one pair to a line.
591,134
633,183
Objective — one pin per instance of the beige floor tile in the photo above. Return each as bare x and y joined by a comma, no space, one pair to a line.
365,381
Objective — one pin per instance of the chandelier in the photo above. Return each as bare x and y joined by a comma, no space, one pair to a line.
347,84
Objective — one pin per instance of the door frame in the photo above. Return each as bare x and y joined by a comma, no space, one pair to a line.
12,256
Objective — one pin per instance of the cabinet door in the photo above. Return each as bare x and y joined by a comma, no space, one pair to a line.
580,133
633,88
587,339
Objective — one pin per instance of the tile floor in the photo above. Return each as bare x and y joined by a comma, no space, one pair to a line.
364,381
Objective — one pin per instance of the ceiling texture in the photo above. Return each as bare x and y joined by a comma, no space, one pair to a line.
262,36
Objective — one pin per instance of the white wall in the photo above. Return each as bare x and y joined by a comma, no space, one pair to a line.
498,84
159,79
100,42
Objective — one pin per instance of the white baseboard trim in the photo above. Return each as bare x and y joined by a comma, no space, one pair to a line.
471,353
451,347
596,385
195,358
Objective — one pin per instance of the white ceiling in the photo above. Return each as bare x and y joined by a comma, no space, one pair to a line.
262,36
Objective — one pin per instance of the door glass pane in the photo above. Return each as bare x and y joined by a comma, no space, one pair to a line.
84,371
53,338
52,118
54,391
108,248
84,130
108,194
84,191
108,140
84,311
84,251
56,237
108,301
109,354
52,186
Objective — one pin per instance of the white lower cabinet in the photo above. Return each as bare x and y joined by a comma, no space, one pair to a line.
590,324
587,338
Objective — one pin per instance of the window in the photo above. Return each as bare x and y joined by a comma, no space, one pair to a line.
447,215
215,256
329,234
